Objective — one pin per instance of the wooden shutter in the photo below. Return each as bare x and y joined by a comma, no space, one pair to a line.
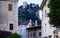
9,7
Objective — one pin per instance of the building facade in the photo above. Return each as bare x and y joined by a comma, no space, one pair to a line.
33,32
9,15
57,33
47,29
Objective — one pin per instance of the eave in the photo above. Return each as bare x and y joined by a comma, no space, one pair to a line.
42,4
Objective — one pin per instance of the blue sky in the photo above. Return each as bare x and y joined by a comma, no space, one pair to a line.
20,2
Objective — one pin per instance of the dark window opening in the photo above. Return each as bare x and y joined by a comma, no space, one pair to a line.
45,37
11,26
34,34
30,34
56,36
50,36
42,16
39,33
45,14
45,27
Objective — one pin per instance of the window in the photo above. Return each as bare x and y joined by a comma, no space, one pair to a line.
30,34
56,36
45,27
45,37
11,26
45,14
9,7
50,26
50,36
39,33
34,34
42,16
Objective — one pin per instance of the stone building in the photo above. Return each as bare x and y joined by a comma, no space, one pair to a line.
57,33
33,32
9,15
47,29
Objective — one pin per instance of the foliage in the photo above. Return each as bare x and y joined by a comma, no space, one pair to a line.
27,13
15,35
54,14
3,34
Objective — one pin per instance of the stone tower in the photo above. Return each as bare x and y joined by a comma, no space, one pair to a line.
9,15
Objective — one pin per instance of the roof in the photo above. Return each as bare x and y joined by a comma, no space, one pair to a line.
42,4
34,28
10,0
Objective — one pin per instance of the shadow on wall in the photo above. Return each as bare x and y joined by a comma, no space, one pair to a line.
3,34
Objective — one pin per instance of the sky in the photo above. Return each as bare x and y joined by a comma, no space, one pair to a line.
20,2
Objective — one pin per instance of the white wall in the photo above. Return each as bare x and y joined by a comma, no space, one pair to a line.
47,30
22,31
31,32
8,16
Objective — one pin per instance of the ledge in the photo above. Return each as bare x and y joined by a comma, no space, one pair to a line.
34,28
15,1
42,4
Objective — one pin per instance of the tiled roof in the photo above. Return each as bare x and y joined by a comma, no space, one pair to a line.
34,28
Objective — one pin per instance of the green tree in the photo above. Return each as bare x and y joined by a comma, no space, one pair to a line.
15,35
54,14
27,13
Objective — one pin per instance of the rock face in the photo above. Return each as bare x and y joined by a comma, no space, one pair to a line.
8,15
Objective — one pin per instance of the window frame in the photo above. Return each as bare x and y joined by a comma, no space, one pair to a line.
9,7
39,33
10,26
